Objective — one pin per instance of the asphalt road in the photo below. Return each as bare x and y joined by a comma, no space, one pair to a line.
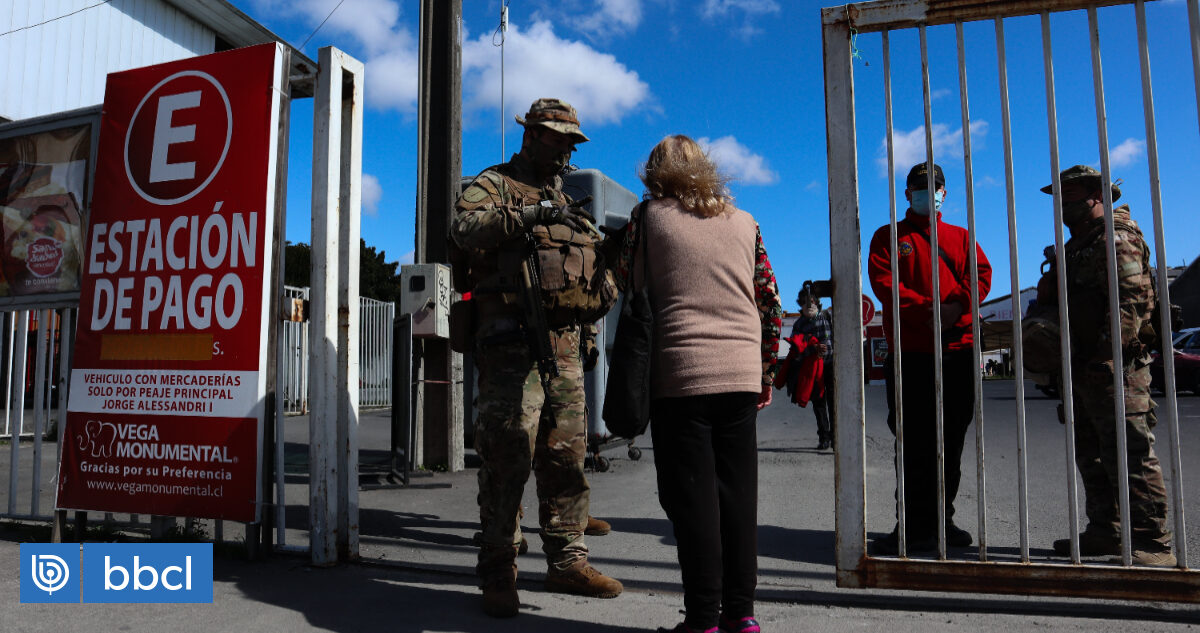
416,545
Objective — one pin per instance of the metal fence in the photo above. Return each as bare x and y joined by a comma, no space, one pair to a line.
374,355
842,27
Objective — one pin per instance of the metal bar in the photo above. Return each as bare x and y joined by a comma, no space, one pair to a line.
973,262
1193,9
846,268
939,418
281,441
1093,581
1164,290
897,379
1015,295
16,411
1114,315
14,433
868,17
39,415
1060,263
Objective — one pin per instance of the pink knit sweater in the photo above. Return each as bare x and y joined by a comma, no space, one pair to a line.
708,333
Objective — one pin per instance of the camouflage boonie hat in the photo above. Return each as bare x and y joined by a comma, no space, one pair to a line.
1084,175
918,177
1042,345
554,114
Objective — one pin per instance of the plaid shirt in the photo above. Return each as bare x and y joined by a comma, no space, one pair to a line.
819,327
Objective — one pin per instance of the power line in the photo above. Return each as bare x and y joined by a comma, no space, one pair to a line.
310,35
54,19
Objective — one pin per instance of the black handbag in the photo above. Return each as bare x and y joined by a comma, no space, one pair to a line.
627,394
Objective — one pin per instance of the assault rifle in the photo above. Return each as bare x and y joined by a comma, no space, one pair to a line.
537,327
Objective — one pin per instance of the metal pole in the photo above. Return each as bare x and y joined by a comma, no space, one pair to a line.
1015,296
846,268
897,377
1164,291
1114,315
1064,321
973,262
936,285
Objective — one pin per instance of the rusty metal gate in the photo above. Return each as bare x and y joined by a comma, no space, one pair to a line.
990,569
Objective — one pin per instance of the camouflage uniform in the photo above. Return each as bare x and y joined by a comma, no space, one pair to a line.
1092,368
511,432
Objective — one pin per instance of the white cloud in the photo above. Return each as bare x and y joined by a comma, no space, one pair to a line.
372,193
934,95
538,63
812,186
908,148
718,8
407,258
750,9
738,161
611,17
987,181
1127,152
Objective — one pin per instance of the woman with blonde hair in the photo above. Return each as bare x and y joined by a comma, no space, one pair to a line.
716,336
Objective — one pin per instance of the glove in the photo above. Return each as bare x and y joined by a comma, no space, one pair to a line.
589,353
547,213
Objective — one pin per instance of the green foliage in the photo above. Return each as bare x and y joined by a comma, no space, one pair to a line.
377,278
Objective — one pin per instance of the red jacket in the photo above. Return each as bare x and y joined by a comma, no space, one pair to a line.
915,278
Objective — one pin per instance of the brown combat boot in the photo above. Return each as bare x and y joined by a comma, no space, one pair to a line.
1091,543
597,527
582,579
500,599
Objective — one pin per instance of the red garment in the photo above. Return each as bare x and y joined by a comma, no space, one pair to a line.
916,287
810,369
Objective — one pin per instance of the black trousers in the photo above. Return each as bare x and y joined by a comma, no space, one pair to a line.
706,455
920,431
823,407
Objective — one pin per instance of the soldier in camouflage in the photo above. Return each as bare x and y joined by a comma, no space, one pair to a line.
491,220
1092,370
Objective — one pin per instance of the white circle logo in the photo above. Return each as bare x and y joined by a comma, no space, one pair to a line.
178,137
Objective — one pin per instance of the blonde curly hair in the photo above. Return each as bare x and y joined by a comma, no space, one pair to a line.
679,168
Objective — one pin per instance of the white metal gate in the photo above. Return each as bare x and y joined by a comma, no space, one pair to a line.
944,571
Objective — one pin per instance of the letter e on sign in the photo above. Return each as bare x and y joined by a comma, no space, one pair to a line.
178,138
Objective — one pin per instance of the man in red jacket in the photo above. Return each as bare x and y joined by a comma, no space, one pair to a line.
914,280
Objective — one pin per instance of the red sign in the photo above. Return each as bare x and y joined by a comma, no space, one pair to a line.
868,309
169,377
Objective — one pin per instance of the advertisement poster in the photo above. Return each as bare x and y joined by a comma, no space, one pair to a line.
879,352
169,375
42,191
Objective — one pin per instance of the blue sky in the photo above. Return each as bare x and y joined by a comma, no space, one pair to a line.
745,77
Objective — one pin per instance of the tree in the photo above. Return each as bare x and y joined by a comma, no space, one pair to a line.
377,278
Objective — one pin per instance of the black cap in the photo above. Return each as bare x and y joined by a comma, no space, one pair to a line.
918,178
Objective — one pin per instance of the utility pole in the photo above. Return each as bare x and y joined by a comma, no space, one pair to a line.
439,423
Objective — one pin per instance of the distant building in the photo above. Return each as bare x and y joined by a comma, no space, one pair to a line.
1185,292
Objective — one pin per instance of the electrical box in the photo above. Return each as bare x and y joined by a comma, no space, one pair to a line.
426,295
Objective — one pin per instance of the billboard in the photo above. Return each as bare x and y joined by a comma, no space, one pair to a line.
43,182
169,375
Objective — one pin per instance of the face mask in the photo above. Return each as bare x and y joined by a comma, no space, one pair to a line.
1073,212
920,201
546,159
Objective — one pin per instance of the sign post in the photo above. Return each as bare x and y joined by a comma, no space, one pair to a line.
168,383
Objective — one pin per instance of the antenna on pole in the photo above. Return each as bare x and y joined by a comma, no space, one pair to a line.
503,31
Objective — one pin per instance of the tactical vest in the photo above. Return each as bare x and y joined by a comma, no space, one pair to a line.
576,285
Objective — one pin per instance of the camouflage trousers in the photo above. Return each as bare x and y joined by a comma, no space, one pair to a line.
1096,453
518,431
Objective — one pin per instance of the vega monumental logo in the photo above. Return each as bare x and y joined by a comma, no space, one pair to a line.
117,572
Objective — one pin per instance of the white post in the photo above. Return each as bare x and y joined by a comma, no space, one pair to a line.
333,331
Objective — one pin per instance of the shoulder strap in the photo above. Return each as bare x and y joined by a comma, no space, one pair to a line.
941,251
638,216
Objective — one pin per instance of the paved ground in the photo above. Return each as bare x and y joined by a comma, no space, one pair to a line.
418,558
